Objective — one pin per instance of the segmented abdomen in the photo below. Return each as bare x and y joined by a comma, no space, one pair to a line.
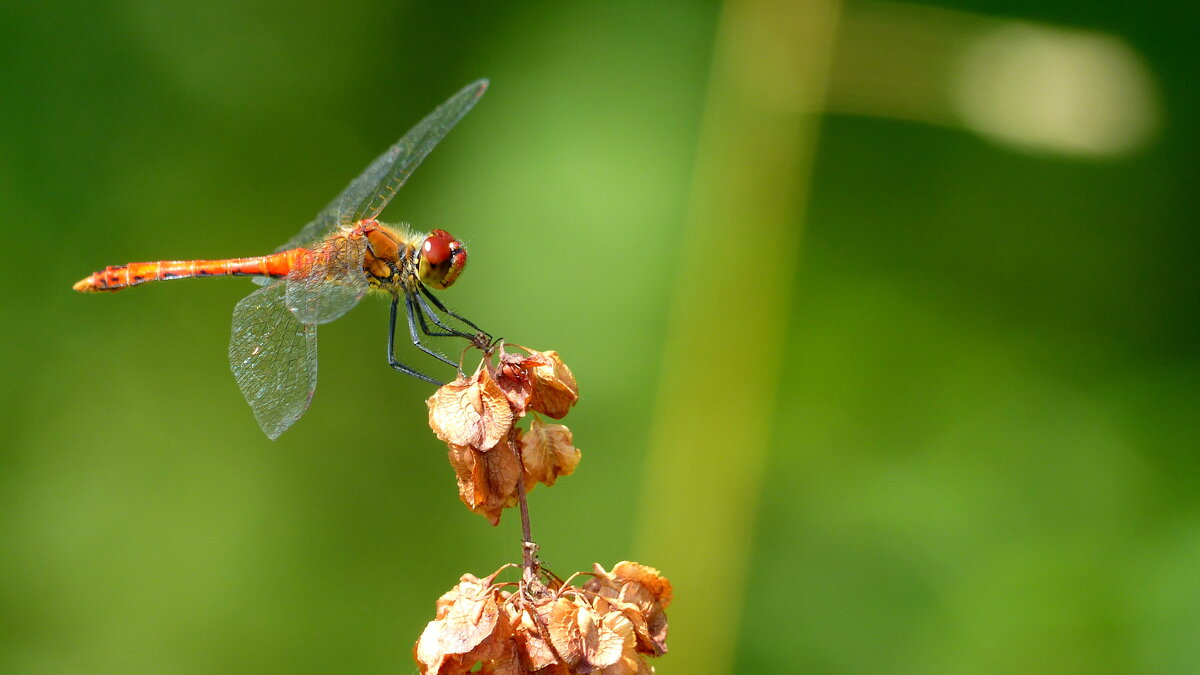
116,277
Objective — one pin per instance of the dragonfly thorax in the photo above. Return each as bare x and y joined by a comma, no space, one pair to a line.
397,259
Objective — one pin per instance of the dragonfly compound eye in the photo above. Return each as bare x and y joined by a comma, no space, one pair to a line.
436,248
442,259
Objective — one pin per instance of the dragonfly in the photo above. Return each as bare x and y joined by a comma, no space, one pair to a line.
322,273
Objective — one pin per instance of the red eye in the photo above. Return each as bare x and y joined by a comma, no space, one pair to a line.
437,247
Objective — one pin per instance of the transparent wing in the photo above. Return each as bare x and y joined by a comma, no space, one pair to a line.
329,281
366,195
274,359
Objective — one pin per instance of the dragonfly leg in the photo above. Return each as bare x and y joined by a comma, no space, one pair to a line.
392,348
426,310
438,303
411,308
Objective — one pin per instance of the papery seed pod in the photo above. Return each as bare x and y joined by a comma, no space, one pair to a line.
470,627
554,387
547,452
470,412
642,594
514,381
487,481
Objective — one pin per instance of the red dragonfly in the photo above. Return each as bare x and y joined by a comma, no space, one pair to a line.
322,272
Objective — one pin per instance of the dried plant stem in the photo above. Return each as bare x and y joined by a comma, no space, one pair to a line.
530,565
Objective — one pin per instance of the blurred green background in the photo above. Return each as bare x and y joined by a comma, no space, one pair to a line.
974,371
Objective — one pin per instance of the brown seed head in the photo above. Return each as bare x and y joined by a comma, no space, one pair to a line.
571,630
472,415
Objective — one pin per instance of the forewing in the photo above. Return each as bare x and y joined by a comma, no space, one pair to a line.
387,174
274,359
329,281
366,195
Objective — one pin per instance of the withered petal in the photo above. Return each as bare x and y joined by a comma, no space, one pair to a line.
470,411
506,662
640,592
554,388
535,649
514,382
466,625
614,636
487,481
471,619
547,453
568,625
648,577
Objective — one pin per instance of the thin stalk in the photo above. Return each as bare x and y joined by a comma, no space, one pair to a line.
530,565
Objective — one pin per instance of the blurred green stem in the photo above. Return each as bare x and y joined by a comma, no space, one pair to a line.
726,333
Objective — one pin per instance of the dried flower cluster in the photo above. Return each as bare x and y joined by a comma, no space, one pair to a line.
476,415
608,626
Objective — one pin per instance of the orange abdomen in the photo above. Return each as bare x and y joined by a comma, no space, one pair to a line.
116,277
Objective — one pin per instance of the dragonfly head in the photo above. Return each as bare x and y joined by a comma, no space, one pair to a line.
442,259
